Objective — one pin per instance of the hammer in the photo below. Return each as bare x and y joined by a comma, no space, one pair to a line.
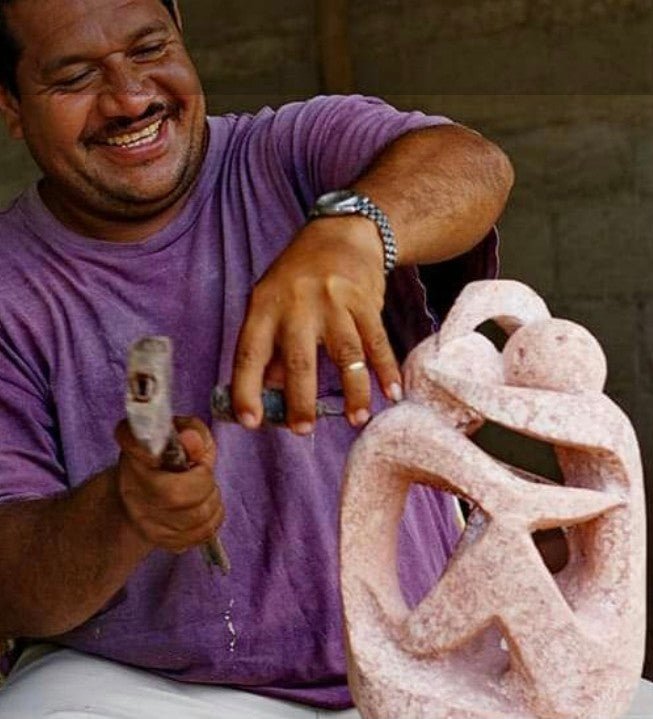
149,412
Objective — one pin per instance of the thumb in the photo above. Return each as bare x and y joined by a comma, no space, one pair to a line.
196,439
193,444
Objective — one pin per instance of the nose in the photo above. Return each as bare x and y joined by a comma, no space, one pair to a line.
126,93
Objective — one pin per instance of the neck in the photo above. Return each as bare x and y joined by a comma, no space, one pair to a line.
112,229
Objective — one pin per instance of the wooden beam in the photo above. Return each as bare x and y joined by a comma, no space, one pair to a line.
336,69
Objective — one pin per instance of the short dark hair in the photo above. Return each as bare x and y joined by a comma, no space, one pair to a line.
10,49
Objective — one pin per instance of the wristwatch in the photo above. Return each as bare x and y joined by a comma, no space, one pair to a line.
348,202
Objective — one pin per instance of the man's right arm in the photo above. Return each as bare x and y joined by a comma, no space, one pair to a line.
63,558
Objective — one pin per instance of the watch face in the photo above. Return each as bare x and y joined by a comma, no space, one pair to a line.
341,202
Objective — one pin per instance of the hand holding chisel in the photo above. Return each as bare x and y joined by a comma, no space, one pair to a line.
149,412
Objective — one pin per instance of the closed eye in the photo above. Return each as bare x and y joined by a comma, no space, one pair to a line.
149,52
75,81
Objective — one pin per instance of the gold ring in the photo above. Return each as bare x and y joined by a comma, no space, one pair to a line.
356,366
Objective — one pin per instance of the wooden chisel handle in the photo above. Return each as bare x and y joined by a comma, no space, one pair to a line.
174,459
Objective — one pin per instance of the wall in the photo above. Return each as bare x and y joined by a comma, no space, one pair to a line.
562,85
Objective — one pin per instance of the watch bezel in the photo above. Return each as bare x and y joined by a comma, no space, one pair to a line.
338,202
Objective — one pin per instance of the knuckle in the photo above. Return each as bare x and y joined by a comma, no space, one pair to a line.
152,531
258,299
334,288
203,514
174,495
246,357
378,344
302,287
297,362
262,301
346,352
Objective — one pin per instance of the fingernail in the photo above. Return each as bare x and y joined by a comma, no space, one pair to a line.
361,417
395,392
248,420
303,428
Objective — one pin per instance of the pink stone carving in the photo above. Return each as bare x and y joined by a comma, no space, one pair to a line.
499,637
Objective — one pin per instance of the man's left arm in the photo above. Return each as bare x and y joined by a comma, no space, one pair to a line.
442,189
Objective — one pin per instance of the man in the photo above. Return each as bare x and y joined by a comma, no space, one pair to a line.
150,219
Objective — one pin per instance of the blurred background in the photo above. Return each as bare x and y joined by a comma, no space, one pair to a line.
564,86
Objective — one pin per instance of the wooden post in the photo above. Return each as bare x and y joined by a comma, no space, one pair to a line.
336,70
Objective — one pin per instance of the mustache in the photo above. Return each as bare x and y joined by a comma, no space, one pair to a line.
121,124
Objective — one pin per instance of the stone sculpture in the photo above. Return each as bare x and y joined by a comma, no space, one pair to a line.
499,637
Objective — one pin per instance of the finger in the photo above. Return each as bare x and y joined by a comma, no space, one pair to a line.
198,535
298,348
379,351
253,352
346,350
186,520
165,526
151,491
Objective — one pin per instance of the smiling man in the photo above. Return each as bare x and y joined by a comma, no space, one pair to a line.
225,234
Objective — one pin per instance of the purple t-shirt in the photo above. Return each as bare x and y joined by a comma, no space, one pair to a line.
69,309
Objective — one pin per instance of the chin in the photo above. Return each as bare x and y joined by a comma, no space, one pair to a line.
149,195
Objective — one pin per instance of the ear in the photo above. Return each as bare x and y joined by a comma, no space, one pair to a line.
175,5
10,111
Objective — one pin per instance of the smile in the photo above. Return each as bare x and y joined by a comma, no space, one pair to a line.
135,139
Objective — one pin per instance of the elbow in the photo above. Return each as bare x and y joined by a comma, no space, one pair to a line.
497,171
487,166
492,177
503,171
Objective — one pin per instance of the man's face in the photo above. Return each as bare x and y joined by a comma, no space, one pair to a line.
110,104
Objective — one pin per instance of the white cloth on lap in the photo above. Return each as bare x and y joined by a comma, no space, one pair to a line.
65,684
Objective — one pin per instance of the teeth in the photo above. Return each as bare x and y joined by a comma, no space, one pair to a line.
136,139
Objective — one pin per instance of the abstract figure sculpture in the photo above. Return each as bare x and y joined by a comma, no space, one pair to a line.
499,637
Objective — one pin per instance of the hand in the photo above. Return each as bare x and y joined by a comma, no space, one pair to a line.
174,511
326,288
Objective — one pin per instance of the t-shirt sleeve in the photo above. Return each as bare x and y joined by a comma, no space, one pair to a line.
328,142
30,465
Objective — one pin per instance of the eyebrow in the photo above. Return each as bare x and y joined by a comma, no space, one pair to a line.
60,62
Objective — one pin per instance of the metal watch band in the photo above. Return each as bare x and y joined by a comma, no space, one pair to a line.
340,203
367,208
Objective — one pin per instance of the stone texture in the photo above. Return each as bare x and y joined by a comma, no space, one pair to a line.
499,635
615,320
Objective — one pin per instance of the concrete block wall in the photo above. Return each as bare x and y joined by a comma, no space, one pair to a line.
563,85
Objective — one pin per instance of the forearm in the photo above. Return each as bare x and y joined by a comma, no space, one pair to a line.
62,559
442,188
